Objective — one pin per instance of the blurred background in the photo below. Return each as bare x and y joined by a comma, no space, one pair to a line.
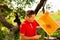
10,10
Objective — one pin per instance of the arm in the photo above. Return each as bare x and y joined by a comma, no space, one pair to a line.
33,37
38,27
25,37
23,31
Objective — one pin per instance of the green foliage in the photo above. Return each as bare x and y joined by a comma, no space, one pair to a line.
17,36
56,34
8,6
23,2
10,18
3,31
8,12
41,32
5,12
5,1
21,12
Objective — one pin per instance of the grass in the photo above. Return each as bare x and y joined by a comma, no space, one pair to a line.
56,16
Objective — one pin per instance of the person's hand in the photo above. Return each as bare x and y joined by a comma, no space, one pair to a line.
37,36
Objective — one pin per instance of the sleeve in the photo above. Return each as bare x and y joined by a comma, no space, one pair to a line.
22,29
36,23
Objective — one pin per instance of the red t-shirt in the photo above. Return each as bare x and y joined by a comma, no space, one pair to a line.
28,28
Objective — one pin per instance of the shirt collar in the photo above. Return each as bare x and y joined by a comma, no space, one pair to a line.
28,21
